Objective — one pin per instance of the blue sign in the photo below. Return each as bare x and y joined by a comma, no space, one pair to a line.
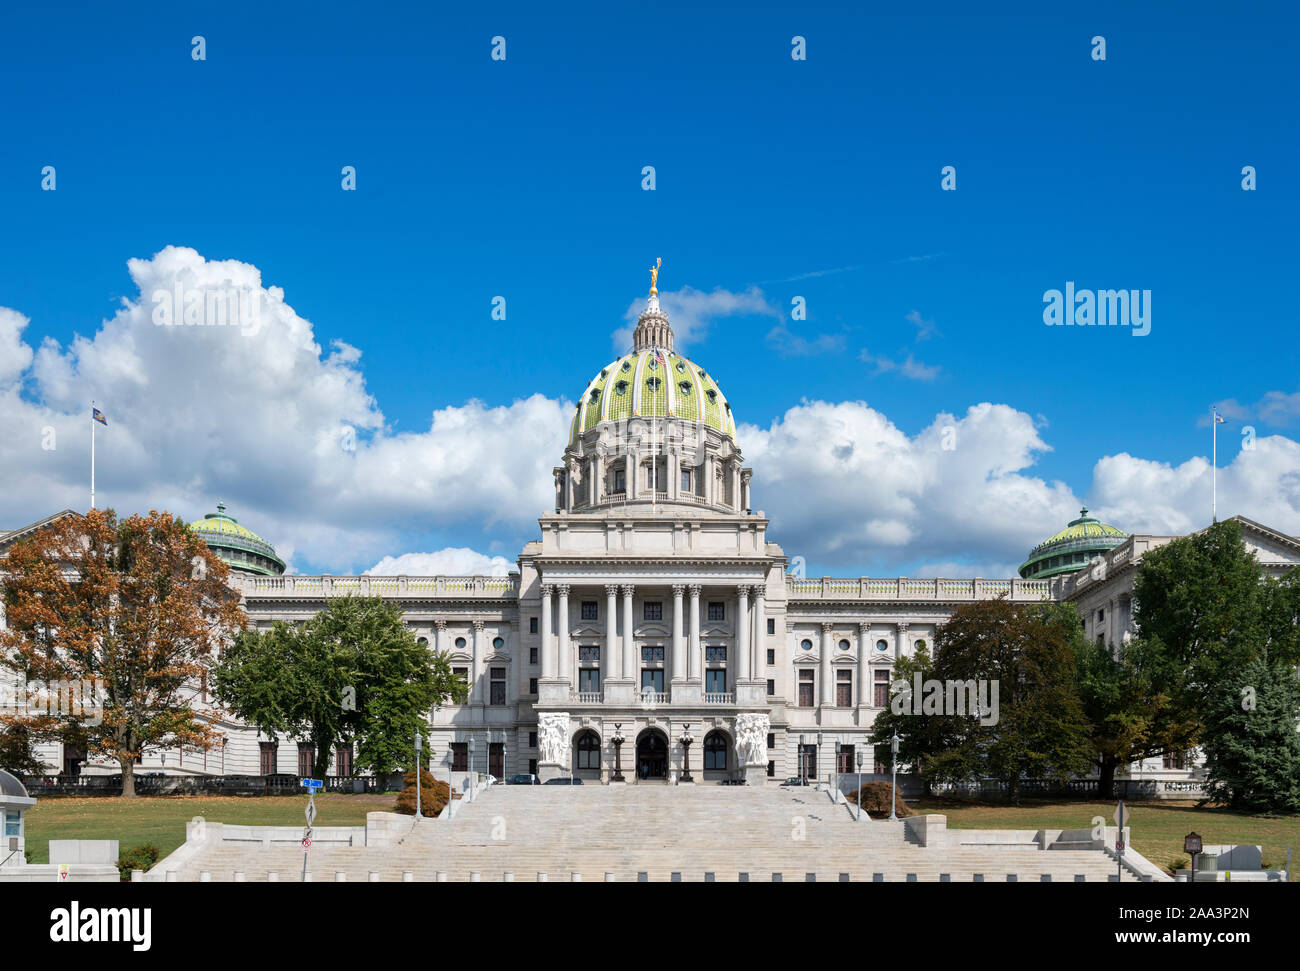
312,784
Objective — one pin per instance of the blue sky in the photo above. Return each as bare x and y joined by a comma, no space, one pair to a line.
818,179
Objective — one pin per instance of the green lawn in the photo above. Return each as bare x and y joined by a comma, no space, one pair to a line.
1157,828
161,820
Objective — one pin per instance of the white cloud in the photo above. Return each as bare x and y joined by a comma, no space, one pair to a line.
264,417
691,311
909,367
452,561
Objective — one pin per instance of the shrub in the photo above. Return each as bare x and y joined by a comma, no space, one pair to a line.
433,795
137,858
875,800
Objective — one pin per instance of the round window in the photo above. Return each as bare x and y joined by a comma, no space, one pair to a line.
460,643
806,645
881,646
498,643
844,645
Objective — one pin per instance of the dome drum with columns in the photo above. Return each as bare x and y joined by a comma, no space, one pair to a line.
652,427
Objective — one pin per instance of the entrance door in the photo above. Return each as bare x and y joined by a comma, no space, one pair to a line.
496,759
652,756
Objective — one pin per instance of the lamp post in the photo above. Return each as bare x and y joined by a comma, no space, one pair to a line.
836,776
471,768
817,755
859,787
893,792
802,777
686,738
618,740
418,787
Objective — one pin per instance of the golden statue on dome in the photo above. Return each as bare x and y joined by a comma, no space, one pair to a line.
654,275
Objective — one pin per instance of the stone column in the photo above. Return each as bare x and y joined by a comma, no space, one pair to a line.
828,688
629,648
759,652
613,663
439,636
693,649
679,648
742,634
549,667
900,641
476,694
674,478
864,663
629,473
562,621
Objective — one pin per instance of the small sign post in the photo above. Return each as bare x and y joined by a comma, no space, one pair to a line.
1120,818
1192,846
312,786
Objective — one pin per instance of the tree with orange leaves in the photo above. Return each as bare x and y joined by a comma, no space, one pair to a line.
118,619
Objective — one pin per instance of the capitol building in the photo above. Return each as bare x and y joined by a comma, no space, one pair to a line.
655,611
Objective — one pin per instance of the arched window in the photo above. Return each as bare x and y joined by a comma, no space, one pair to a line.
715,751
588,750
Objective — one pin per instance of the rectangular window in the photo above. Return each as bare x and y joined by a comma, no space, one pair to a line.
532,625
532,655
620,480
652,679
532,740
588,652
652,610
267,757
845,760
809,761
771,739
844,689
532,686
589,679
652,654
882,689
771,687
306,759
715,681
686,481
497,689
771,656
343,760
771,625
532,767
806,688
590,610
715,654
12,822
1174,760
717,610
462,673
771,768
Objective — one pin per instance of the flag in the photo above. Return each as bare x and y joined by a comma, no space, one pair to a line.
1218,418
98,416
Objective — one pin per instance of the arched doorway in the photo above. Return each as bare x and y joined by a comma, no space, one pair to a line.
716,754
586,754
652,754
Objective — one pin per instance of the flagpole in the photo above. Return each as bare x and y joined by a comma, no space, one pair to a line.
92,453
1214,472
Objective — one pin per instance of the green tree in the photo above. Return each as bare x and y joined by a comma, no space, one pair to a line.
16,753
1041,731
354,672
1252,749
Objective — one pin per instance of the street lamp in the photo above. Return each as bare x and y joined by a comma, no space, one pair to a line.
836,777
817,754
802,776
618,740
893,792
859,786
418,808
686,738
471,768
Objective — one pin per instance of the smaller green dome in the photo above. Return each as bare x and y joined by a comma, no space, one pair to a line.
237,546
1072,548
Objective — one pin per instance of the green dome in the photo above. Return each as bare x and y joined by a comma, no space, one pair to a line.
237,546
653,383
1072,548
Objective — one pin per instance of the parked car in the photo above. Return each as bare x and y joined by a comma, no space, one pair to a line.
795,780
523,779
564,781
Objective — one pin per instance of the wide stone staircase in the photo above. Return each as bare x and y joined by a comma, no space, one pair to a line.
652,833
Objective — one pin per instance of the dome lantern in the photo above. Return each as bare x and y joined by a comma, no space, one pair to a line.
1072,548
237,546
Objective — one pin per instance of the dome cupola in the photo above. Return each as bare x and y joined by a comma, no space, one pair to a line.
237,546
1072,548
